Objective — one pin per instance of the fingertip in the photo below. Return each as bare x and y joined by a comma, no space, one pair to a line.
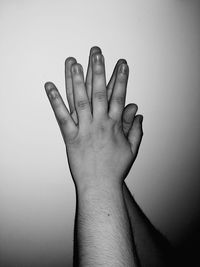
129,113
76,68
132,107
140,123
137,123
140,118
121,60
70,60
98,59
123,68
95,49
48,86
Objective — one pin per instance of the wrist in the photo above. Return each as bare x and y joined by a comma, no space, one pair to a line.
100,196
102,185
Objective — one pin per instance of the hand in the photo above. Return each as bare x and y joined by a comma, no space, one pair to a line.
101,147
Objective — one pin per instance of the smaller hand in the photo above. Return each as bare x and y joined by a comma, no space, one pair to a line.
101,148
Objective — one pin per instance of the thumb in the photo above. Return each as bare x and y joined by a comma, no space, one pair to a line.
135,134
128,117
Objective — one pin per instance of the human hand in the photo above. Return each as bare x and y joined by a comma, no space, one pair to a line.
101,147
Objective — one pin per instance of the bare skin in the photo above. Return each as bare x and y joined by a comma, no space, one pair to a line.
100,157
102,139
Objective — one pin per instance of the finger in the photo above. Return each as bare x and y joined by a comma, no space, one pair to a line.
135,134
118,96
88,81
111,83
66,123
128,117
80,96
99,93
69,87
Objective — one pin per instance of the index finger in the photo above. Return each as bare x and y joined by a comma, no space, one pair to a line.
69,86
65,122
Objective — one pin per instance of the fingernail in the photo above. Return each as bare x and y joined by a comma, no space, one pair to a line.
96,49
77,69
121,60
69,60
98,58
123,68
49,86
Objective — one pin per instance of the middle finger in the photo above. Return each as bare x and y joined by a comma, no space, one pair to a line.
99,92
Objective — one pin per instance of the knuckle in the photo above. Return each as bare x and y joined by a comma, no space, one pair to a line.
63,121
98,69
82,104
126,122
118,99
100,95
117,127
101,132
78,81
102,128
74,141
121,78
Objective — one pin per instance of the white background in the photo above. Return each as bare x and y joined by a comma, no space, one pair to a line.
160,40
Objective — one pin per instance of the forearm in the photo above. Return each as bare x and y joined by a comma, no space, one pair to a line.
103,232
152,248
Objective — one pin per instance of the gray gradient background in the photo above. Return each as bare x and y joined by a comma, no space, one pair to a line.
161,42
